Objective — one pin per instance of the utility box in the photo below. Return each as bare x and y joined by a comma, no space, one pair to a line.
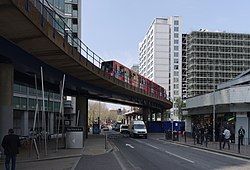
74,137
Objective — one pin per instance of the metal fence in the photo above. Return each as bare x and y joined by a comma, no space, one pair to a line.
59,25
203,141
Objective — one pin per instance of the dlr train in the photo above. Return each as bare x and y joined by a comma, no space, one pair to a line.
119,71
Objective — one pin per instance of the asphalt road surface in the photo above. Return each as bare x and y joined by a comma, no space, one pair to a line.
153,154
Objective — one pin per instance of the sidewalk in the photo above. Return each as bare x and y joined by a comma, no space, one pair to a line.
211,146
62,158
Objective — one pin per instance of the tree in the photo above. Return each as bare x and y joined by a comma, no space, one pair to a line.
179,104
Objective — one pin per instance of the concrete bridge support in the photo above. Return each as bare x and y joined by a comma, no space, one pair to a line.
6,94
146,112
82,106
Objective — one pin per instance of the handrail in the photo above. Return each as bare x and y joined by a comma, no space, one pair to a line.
59,24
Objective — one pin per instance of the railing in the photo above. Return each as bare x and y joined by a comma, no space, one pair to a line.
59,25
203,141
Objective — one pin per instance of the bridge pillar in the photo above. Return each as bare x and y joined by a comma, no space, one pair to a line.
162,115
145,114
82,106
6,95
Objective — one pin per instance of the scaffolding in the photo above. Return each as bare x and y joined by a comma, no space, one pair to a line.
213,58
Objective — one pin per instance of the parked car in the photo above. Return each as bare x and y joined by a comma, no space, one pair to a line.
124,129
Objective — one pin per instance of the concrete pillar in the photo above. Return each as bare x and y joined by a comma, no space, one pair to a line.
25,123
162,115
6,95
145,113
82,106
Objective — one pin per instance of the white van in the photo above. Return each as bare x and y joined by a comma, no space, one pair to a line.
137,128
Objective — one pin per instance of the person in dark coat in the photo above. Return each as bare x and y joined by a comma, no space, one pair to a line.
241,133
10,144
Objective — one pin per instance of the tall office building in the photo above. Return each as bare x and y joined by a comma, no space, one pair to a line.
184,67
161,55
215,57
69,11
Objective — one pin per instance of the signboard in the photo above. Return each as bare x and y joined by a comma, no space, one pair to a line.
74,129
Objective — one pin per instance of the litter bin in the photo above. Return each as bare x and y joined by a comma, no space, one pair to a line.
74,137
96,129
168,135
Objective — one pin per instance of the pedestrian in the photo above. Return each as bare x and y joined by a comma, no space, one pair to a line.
10,144
227,135
241,133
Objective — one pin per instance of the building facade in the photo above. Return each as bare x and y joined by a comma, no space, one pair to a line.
231,102
69,12
161,55
214,58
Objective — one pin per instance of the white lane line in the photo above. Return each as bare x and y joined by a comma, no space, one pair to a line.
179,156
129,145
152,146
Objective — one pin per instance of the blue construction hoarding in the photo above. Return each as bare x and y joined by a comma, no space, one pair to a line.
164,126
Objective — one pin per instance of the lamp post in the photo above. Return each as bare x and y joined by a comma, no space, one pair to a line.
214,115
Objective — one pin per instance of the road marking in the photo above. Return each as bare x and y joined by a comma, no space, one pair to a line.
129,145
179,157
152,146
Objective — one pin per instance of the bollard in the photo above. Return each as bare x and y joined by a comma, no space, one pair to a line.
220,142
238,144
185,136
106,138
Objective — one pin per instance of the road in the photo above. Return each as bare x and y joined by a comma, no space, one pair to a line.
149,154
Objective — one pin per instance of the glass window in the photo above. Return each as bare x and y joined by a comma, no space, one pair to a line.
16,88
176,29
176,22
176,35
176,48
176,61
23,103
23,89
16,102
32,104
68,8
74,20
176,41
176,54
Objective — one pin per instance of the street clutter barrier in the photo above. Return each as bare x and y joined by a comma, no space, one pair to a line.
74,137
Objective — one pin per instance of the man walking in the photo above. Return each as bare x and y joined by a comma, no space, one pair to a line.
241,133
227,135
10,144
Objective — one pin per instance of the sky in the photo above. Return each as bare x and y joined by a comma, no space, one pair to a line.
113,29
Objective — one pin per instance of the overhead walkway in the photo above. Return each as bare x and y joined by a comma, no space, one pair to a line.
33,28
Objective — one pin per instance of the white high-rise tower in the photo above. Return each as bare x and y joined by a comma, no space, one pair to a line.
161,55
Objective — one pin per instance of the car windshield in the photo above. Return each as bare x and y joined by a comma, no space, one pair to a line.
139,126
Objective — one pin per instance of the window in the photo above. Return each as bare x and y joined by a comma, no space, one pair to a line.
176,29
176,41
176,48
176,22
74,21
176,61
176,35
176,67
176,54
176,73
